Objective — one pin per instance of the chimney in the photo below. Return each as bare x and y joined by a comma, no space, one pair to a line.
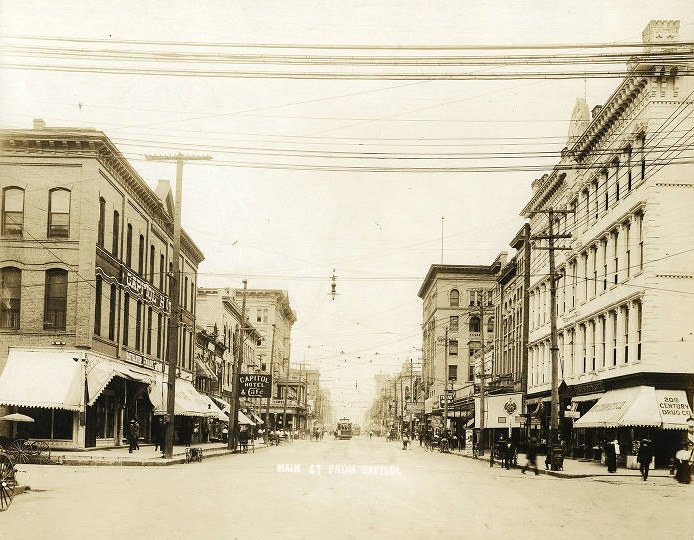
596,111
39,123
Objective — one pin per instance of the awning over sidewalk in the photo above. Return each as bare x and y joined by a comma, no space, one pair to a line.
256,418
188,401
638,406
201,370
226,407
42,378
100,372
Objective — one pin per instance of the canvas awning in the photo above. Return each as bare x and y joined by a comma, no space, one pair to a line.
188,401
256,418
42,378
100,372
638,406
202,370
243,419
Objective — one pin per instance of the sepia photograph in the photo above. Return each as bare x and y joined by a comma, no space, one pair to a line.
354,270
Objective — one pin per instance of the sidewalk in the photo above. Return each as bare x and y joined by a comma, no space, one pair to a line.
145,456
573,468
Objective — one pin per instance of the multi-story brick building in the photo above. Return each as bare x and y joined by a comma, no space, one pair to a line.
625,287
86,246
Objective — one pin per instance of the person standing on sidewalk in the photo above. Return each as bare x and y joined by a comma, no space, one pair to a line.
644,457
133,434
531,456
611,453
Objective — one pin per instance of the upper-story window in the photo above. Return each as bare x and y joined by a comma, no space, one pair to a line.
490,324
59,213
453,347
474,325
151,264
116,233
161,272
129,247
101,225
141,257
453,323
55,301
454,298
12,211
10,297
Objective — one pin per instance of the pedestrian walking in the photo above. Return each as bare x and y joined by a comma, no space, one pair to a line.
531,457
508,453
132,435
158,434
611,453
684,458
644,457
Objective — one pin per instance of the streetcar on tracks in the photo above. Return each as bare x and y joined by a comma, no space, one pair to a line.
344,428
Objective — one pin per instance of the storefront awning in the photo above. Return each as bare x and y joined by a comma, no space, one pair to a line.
638,406
42,378
188,401
202,370
101,371
256,418
243,419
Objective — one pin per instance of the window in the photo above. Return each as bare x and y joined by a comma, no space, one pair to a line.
192,296
10,297
604,261
151,264
474,325
627,153
582,330
185,292
453,323
490,325
592,344
102,219
584,262
638,329
627,243
161,272
625,315
149,330
595,199
59,213
594,255
454,298
116,233
613,316
453,347
639,255
616,180
605,177
55,302
471,372
642,155
453,373
129,247
615,252
112,313
138,325
141,257
97,306
126,320
159,335
12,211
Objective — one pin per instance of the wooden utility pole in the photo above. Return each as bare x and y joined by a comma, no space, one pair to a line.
235,381
267,403
483,374
174,294
445,382
554,350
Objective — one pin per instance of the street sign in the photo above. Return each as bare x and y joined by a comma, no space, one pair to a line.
572,414
254,386
450,399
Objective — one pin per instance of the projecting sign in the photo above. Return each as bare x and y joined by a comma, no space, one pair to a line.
255,386
572,414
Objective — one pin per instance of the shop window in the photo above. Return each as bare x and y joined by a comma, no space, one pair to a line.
55,300
10,297
43,418
12,211
59,213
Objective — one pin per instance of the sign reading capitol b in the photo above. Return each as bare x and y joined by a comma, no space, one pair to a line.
254,386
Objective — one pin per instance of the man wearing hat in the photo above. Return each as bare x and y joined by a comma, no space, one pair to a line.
644,457
133,434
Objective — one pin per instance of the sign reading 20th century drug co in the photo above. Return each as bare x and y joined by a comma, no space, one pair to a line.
255,386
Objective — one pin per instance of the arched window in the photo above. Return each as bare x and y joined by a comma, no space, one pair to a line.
97,305
474,325
12,211
129,247
102,218
55,300
116,233
454,298
10,297
59,213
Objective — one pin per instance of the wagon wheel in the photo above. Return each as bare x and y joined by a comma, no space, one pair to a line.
7,482
42,452
18,451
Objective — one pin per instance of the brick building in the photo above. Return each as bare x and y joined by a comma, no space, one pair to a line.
85,302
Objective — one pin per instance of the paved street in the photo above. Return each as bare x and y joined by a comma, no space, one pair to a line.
341,490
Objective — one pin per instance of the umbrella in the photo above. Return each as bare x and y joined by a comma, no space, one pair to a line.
16,417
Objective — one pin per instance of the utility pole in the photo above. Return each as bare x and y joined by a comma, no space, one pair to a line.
174,293
411,402
445,382
554,350
234,416
483,375
286,392
525,329
267,403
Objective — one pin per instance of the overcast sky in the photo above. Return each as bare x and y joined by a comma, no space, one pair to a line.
287,228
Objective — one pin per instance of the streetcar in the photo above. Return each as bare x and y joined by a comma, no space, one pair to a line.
344,428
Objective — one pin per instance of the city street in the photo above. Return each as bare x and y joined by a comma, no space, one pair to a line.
358,488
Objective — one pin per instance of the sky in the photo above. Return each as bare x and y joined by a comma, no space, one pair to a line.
311,177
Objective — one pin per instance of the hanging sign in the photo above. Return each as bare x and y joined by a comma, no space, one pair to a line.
254,385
